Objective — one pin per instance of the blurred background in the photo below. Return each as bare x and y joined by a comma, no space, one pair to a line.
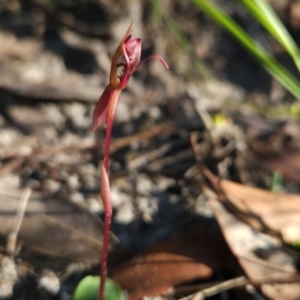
54,64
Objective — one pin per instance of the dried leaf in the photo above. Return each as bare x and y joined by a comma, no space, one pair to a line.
194,255
275,213
55,228
265,211
242,240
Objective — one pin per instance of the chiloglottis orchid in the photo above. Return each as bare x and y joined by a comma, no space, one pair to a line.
125,62
130,49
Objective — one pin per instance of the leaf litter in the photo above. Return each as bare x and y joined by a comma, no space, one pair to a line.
46,144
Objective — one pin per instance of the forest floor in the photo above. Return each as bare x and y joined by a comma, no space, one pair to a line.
214,109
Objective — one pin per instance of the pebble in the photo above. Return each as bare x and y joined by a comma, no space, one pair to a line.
125,213
93,205
50,282
118,197
73,181
52,185
143,184
77,198
8,276
53,114
77,113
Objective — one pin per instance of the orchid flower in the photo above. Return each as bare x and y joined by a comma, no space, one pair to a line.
130,50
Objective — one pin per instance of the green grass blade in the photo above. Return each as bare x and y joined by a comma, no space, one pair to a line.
266,60
186,45
264,13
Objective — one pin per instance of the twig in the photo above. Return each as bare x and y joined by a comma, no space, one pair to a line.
12,237
116,144
10,166
170,160
238,282
200,108
149,156
218,288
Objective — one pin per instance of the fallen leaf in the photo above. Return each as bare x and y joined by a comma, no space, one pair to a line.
236,207
275,213
56,228
192,256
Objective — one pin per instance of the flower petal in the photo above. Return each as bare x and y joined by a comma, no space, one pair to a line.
132,49
102,106
158,57
114,79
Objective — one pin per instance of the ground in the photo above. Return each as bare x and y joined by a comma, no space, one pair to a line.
54,64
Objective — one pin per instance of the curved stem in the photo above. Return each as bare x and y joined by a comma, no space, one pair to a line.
105,190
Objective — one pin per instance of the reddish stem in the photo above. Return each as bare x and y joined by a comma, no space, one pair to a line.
109,122
105,195
105,191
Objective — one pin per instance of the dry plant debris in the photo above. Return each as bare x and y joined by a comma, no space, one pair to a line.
192,256
273,213
244,241
54,62
51,227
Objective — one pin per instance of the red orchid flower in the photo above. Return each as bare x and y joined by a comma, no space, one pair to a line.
129,49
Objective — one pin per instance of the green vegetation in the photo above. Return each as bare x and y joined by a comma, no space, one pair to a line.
88,289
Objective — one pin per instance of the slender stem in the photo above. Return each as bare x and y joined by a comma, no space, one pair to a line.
109,122
105,191
105,195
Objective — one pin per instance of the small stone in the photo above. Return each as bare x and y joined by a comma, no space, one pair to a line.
8,276
9,181
123,112
52,185
49,282
89,176
53,114
73,181
77,198
162,182
147,205
25,150
118,197
94,205
78,116
155,113
124,213
143,185
8,137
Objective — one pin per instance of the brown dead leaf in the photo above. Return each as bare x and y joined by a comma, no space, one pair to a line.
194,255
265,211
240,237
55,228
275,213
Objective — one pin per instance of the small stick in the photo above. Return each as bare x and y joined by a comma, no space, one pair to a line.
12,237
116,144
200,108
149,156
218,288
238,282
